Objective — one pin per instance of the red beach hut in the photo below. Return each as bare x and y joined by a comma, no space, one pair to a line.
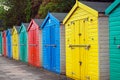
4,43
34,40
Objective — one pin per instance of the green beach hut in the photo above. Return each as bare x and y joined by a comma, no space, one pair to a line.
0,43
23,47
113,11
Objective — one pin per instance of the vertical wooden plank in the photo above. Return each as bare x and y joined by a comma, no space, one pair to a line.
62,49
103,48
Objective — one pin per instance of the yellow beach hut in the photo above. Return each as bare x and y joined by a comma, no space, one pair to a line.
15,42
86,32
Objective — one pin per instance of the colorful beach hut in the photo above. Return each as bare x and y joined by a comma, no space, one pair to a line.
1,44
34,40
86,28
15,42
4,42
23,48
53,44
113,11
9,43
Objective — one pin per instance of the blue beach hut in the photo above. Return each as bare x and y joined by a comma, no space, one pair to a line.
53,41
9,42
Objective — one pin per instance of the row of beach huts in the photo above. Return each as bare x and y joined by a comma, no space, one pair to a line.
83,44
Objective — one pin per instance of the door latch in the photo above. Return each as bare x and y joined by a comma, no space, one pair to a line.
81,45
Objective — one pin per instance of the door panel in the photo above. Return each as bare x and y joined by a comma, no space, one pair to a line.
13,46
36,47
9,45
25,47
57,48
4,44
30,46
48,49
0,45
16,46
22,46
45,49
69,59
78,50
52,42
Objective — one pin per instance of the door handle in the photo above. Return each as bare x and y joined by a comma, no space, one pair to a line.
32,44
22,44
14,44
81,45
50,45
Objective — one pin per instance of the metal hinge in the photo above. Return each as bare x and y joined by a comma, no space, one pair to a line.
80,62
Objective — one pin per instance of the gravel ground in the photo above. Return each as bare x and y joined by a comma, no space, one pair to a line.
16,70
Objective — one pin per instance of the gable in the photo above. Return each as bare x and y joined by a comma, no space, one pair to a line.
115,12
112,7
0,34
32,25
7,32
77,9
14,31
50,19
4,34
22,28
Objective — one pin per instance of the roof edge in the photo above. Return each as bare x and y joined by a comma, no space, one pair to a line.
46,18
79,4
111,7
31,22
21,26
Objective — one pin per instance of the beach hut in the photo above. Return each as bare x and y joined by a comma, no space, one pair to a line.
15,42
86,28
4,42
9,43
113,11
1,44
23,48
34,40
53,41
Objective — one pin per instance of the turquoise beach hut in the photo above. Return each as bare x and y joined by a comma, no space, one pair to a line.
113,11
